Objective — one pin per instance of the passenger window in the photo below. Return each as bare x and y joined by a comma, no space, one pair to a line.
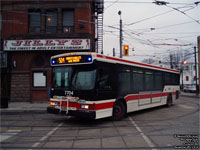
104,80
138,80
149,80
167,79
124,81
158,81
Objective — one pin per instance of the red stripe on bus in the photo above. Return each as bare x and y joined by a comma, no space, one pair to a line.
132,97
104,105
154,95
146,96
135,63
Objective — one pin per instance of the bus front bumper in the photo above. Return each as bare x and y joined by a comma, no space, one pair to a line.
78,113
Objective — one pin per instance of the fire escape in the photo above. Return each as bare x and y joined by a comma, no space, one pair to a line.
99,8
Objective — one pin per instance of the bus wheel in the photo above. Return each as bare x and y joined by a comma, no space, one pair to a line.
169,100
118,111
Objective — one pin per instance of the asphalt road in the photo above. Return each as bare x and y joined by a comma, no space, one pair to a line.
176,127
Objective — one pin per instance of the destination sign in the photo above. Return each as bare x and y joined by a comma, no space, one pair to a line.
71,59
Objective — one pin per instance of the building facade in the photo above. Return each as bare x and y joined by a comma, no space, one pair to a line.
189,76
34,30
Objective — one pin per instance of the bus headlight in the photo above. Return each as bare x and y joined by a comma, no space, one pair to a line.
53,103
85,106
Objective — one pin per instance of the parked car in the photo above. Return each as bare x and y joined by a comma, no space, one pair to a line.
190,88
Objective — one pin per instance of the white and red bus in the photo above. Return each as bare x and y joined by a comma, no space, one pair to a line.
98,86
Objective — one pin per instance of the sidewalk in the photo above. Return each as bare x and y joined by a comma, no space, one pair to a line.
25,106
192,95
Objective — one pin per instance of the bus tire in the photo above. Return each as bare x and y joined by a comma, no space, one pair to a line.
169,100
119,111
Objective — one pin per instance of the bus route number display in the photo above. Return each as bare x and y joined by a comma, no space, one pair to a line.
71,59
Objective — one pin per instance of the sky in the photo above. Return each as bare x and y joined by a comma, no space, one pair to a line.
150,30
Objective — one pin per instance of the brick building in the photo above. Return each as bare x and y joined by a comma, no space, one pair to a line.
34,30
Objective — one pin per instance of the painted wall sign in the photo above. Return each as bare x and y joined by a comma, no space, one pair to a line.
46,44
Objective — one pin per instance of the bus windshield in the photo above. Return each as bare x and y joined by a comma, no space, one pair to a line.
74,77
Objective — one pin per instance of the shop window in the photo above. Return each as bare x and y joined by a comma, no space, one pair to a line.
3,57
39,79
68,21
34,22
51,21
187,78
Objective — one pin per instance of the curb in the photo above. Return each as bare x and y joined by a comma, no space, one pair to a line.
14,111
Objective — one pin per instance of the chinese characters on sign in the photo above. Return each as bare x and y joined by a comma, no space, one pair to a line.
47,44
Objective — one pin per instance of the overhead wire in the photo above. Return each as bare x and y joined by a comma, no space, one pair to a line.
197,21
149,41
139,2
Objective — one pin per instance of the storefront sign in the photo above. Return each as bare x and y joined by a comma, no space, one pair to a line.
47,44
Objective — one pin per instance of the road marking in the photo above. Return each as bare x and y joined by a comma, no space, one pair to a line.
8,134
186,107
147,140
46,136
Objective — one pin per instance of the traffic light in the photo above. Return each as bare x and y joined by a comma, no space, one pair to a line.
126,50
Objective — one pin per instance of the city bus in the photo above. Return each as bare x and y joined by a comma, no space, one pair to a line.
97,86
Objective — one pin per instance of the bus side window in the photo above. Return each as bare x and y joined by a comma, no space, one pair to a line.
158,81
124,80
104,80
138,80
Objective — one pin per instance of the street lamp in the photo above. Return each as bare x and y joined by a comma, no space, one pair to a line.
183,63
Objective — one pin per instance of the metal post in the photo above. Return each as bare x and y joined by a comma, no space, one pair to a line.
113,52
195,65
182,78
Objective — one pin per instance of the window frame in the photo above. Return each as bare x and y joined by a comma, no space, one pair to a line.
71,28
4,59
30,26
51,26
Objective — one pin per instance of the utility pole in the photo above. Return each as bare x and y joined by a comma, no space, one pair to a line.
195,65
120,33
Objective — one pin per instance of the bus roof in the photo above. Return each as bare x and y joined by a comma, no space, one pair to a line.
108,59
